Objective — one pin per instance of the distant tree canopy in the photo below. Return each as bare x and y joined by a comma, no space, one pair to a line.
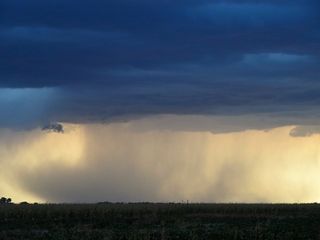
4,200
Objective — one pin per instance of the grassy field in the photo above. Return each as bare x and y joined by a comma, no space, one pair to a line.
160,221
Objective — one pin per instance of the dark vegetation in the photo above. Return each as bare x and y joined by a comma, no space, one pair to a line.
159,221
4,200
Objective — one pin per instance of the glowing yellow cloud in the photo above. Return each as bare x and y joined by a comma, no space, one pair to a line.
119,162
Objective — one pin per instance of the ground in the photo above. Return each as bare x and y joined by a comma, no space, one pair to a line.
159,221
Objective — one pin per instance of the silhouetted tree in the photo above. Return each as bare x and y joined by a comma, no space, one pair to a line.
4,200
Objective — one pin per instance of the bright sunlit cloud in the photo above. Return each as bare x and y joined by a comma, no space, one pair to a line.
120,162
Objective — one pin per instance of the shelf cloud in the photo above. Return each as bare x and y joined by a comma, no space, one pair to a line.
123,59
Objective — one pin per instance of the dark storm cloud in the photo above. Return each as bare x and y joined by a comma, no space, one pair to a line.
53,127
114,58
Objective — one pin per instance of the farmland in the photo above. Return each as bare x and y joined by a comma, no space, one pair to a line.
159,221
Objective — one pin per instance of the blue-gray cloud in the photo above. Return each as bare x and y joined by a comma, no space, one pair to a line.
26,108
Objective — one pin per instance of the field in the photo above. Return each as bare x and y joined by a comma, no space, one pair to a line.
159,221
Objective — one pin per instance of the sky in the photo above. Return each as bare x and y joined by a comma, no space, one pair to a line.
144,100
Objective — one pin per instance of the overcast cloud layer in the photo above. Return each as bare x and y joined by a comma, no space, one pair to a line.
117,59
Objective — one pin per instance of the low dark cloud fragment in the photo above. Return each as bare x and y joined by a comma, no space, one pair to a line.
53,127
304,131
